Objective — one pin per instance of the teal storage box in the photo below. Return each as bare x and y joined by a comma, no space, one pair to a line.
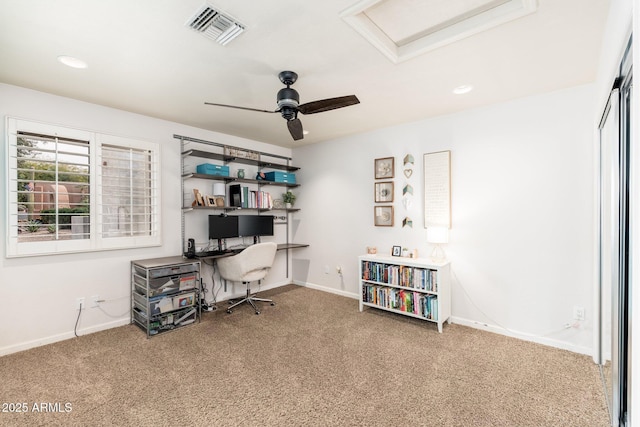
286,177
209,169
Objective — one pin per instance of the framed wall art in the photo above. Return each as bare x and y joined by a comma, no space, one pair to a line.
384,168
383,192
437,189
383,216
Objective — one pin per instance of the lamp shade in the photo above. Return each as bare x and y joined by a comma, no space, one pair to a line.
219,189
438,235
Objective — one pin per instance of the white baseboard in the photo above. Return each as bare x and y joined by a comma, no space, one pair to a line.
326,289
476,325
61,337
457,320
563,345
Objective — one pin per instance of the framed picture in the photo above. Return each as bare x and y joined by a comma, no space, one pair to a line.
384,167
199,200
383,216
383,191
209,201
396,251
437,189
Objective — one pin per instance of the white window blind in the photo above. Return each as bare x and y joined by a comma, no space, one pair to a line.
127,192
70,190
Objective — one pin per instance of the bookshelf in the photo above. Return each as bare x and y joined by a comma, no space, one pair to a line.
414,287
257,194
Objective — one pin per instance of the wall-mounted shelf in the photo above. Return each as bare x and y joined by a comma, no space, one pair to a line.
201,149
241,160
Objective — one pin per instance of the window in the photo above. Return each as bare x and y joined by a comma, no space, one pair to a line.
71,190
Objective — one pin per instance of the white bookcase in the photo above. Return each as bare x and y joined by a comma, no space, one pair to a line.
415,287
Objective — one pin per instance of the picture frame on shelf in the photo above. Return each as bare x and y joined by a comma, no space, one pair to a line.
209,201
199,200
396,251
384,167
383,192
383,216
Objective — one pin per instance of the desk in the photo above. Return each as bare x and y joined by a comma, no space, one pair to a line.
281,247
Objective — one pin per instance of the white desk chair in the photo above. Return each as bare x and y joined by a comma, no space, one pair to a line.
250,265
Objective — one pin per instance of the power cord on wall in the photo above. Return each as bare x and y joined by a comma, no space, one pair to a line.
75,328
111,315
546,334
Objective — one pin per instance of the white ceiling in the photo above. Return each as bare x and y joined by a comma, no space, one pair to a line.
142,58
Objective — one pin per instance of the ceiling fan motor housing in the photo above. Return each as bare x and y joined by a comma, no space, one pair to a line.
288,100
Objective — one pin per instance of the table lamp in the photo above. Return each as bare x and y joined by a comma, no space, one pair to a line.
437,236
219,192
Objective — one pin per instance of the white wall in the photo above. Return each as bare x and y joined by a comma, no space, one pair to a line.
38,294
521,242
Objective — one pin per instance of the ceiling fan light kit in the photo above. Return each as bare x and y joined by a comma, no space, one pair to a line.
288,101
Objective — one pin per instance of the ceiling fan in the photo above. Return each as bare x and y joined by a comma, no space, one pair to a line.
289,108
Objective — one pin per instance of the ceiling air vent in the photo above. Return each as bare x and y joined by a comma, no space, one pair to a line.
215,25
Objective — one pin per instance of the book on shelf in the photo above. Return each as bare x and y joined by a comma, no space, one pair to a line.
400,275
243,197
417,303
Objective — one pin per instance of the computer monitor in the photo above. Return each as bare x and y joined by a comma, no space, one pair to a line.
255,225
223,227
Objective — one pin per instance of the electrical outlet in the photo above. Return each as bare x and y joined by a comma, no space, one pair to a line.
578,313
95,301
326,269
80,303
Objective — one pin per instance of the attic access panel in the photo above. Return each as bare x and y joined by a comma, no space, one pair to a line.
403,29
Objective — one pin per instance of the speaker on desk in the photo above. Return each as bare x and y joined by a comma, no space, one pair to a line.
191,248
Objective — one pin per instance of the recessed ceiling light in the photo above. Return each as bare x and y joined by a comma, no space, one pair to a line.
460,90
72,62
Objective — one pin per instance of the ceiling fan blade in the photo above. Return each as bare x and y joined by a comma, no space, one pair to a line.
328,104
295,129
241,108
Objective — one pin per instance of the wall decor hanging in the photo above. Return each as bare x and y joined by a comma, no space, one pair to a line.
383,192
407,189
384,167
437,189
407,222
383,216
407,202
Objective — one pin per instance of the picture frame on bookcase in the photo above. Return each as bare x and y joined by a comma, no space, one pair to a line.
396,251
383,216
384,167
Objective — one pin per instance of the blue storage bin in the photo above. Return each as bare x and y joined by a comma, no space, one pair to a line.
209,169
286,177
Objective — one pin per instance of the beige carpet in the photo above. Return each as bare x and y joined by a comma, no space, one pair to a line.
312,360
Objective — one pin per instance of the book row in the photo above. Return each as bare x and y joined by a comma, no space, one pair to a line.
423,305
400,275
243,197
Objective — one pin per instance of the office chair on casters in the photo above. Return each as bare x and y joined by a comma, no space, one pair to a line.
250,265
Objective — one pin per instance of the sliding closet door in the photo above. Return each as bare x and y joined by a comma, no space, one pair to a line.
609,244
624,357
615,144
